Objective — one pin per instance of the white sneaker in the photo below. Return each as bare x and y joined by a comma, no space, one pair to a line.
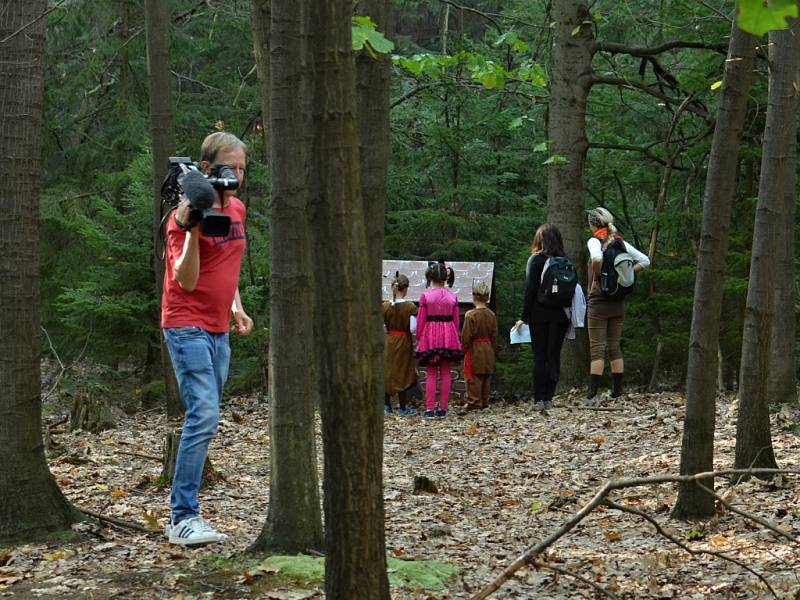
193,531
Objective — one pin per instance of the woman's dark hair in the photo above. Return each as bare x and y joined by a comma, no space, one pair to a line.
440,273
548,241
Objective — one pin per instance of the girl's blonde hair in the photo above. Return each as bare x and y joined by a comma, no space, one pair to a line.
602,217
480,291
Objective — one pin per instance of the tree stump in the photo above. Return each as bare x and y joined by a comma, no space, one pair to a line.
90,411
171,443
424,485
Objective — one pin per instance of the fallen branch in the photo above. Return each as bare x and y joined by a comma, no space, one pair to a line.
140,455
686,547
599,498
115,521
598,588
763,522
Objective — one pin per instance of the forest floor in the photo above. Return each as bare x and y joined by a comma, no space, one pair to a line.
507,477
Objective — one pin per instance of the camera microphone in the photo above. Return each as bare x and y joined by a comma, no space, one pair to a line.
201,195
198,190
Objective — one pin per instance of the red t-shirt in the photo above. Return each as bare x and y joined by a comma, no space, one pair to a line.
209,305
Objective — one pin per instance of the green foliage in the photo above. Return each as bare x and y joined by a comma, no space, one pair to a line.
365,35
109,297
759,17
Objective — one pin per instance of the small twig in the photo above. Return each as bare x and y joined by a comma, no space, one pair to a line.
598,588
198,82
241,85
115,521
64,369
147,456
492,17
36,20
686,547
50,428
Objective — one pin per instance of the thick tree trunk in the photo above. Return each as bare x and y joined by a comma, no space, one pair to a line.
352,419
782,382
697,451
31,505
570,82
163,138
294,518
372,103
753,439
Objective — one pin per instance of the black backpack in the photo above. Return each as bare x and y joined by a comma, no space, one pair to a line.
616,274
559,279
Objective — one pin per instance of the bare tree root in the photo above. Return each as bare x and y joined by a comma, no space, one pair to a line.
600,498
686,547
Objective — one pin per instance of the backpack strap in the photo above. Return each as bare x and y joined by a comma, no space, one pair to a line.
544,268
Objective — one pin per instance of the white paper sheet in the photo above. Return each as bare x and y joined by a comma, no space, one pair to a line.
521,335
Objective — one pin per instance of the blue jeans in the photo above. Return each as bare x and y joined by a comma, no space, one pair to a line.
200,360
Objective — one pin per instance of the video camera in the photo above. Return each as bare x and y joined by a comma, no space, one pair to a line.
185,180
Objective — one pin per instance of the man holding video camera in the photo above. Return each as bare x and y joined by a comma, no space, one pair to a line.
200,299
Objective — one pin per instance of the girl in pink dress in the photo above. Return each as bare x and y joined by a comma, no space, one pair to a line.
438,342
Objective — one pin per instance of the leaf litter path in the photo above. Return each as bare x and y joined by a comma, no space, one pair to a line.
506,478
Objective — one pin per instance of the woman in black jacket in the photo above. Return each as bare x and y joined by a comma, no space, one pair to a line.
548,324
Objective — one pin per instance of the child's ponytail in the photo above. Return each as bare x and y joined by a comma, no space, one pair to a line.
399,283
394,286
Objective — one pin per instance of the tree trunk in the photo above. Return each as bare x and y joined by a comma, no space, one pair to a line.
570,82
372,103
782,382
261,34
352,418
31,505
294,519
753,439
163,138
697,451
172,442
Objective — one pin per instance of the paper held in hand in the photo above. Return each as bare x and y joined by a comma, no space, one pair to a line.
521,335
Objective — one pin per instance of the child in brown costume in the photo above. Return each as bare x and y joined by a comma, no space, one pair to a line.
399,319
479,341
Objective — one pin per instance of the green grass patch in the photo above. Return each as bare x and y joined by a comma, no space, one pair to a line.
426,574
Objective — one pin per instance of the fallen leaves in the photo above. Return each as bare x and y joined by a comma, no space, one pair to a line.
505,478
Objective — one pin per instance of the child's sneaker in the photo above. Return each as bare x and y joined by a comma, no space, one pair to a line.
193,531
429,414
407,412
387,409
441,412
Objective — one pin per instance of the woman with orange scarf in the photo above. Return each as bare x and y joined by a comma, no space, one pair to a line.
606,314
